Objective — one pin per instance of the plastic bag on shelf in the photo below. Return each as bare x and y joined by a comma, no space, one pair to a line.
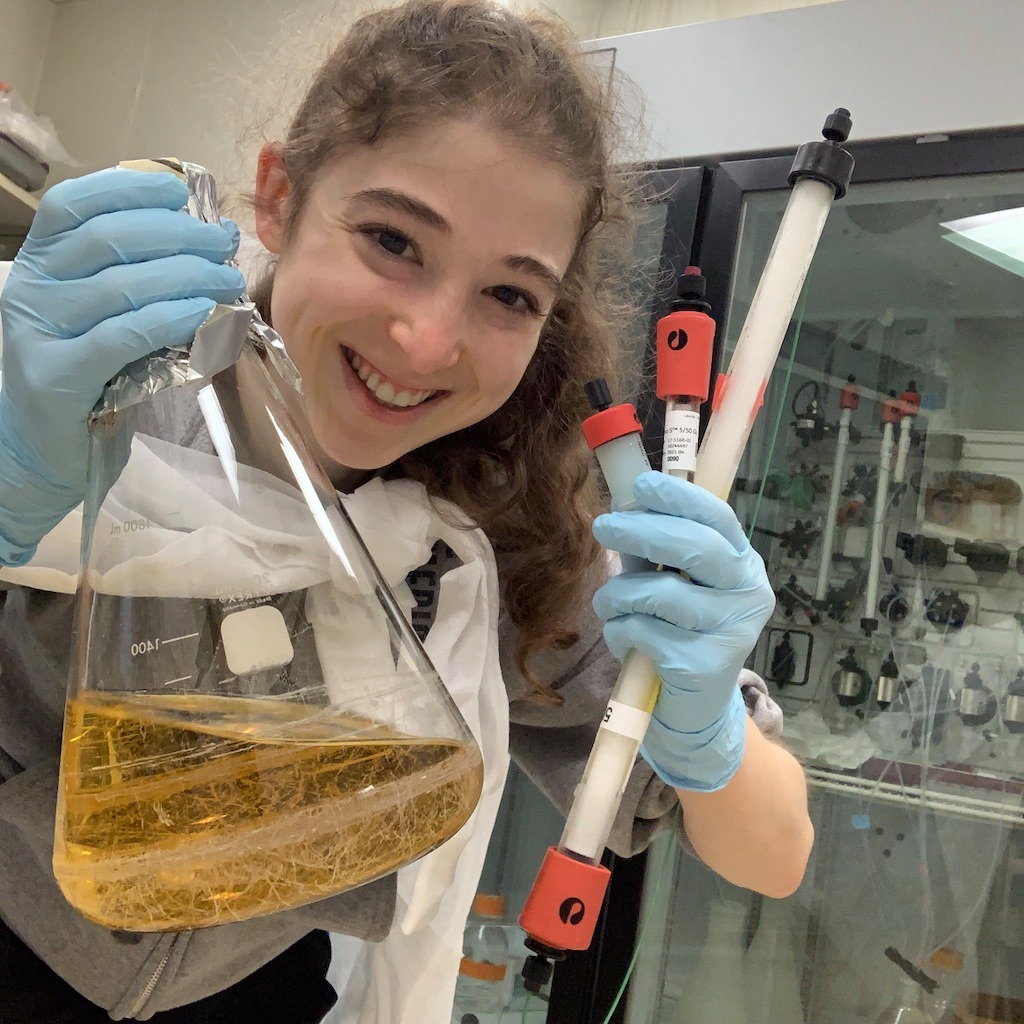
34,134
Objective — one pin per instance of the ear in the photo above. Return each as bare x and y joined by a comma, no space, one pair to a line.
273,190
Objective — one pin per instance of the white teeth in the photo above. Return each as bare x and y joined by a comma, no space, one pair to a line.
384,390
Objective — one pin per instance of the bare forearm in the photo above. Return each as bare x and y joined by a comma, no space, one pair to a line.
755,832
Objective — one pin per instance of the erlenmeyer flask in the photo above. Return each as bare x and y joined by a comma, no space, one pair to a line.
251,722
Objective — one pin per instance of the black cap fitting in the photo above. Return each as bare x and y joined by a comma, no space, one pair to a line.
537,969
827,161
598,394
690,290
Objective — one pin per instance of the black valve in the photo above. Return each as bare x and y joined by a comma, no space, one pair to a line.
838,125
598,394
537,969
797,541
827,161
1013,704
783,661
947,609
862,483
839,600
982,557
795,598
978,703
809,423
921,550
851,683
894,606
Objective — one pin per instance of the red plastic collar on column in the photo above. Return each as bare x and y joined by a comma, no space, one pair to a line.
565,901
911,403
722,385
611,423
892,410
685,344
849,397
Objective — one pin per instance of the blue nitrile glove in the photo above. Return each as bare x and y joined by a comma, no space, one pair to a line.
113,269
698,632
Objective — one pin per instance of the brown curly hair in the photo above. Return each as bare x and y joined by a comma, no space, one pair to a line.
523,474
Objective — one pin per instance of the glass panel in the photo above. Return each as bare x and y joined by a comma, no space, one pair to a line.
882,876
527,824
904,642
647,246
897,646
643,284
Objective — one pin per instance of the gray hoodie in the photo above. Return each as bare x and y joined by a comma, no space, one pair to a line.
135,975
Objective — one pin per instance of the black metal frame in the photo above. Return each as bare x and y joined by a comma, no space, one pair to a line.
718,228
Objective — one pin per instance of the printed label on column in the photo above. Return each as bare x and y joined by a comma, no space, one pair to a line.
626,721
682,431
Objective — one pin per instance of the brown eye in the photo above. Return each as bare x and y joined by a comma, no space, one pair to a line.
510,297
391,241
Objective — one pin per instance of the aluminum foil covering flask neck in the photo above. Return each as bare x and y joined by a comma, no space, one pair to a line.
251,724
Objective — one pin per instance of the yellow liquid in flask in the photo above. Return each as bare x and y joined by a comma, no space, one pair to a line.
179,812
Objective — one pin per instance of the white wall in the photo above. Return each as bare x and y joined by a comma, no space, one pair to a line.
24,34
129,77
594,18
902,67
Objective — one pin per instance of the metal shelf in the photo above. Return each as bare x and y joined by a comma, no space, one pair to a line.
1002,806
17,207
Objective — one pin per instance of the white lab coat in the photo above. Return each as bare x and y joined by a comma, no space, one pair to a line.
409,978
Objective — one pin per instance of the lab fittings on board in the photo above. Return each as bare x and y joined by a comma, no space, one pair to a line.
697,631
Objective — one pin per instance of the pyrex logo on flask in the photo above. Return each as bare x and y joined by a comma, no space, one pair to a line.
676,340
572,910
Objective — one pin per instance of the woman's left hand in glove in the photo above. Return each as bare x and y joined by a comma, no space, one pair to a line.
697,631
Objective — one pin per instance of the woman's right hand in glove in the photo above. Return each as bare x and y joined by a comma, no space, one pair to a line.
113,269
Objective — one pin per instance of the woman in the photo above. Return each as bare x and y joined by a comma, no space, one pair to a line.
440,213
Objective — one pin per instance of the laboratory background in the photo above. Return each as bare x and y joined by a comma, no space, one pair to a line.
883,483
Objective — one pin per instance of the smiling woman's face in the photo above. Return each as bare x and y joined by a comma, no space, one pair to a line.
412,293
